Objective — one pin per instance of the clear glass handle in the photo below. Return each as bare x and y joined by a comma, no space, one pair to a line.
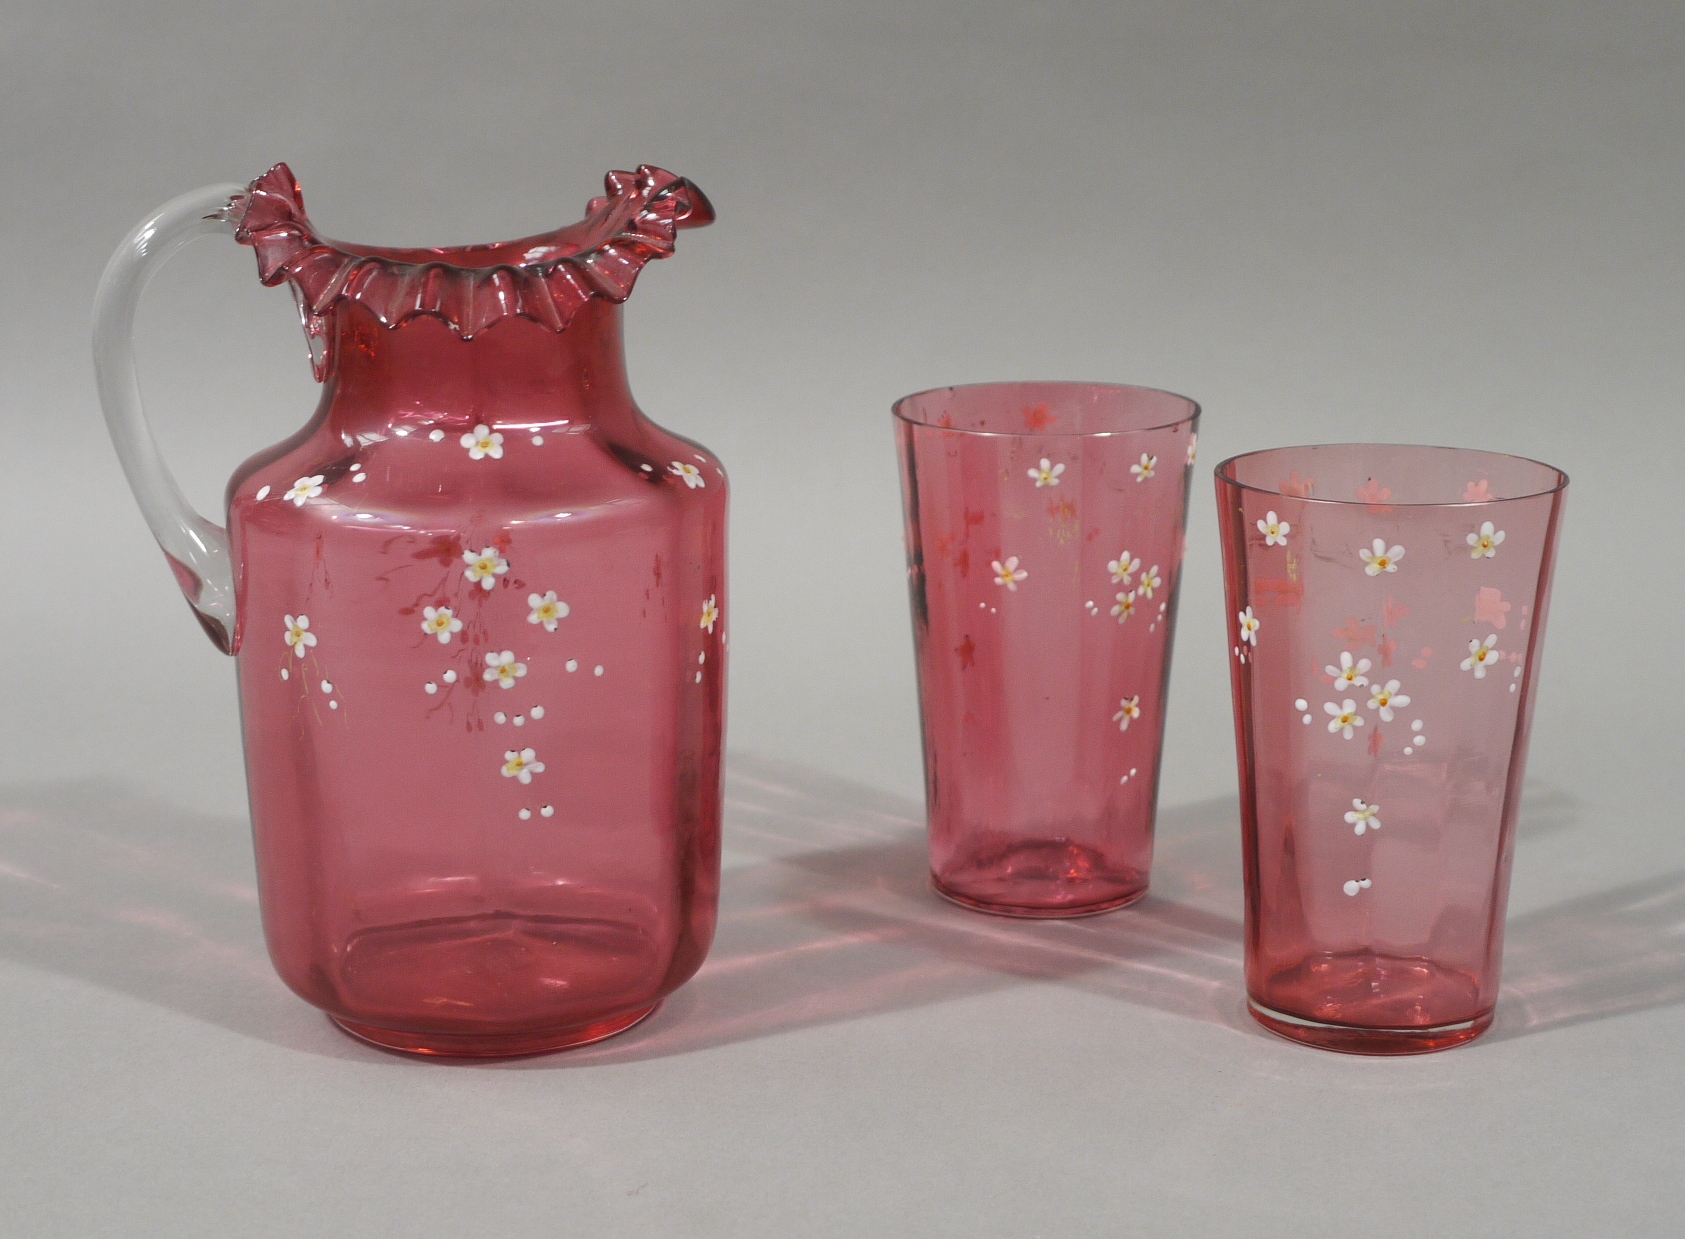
196,548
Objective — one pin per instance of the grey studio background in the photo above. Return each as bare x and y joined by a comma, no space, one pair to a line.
1427,222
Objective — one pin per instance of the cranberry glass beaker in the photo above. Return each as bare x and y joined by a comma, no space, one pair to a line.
476,610
1387,612
1044,545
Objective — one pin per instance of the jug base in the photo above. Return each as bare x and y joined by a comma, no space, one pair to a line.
1375,1042
491,1045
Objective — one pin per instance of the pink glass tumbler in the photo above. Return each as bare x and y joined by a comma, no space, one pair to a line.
1386,614
1044,544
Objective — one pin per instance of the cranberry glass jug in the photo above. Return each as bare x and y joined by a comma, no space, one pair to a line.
476,611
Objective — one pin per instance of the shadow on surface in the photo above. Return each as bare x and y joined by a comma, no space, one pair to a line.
1593,958
108,885
827,916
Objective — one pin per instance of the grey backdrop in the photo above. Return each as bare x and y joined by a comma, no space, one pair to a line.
1427,222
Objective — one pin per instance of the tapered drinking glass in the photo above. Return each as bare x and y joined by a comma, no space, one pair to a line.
1045,528
1386,616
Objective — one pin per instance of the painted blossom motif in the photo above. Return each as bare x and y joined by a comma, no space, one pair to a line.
1275,531
1123,568
485,567
482,442
1477,492
1150,580
690,473
1364,817
502,667
1046,474
711,613
547,609
1249,626
1008,573
304,488
441,623
1349,674
521,764
1481,655
1483,544
1343,717
1383,697
299,636
1381,558
1490,608
1129,713
1124,607
1144,470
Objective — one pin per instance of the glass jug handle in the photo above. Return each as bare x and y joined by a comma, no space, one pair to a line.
197,549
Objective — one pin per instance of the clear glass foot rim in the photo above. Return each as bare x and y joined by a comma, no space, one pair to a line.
1038,912
492,1045
1346,1039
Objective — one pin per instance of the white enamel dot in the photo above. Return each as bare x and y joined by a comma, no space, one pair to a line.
646,469
1301,704
500,717
597,670
526,815
702,657
359,477
1518,673
1513,687
437,436
449,677
1408,751
1416,726
538,440
699,677
333,705
548,810
520,720
327,687
573,664
1305,719
283,673
430,687
537,711
263,492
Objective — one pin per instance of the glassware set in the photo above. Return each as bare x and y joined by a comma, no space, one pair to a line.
477,607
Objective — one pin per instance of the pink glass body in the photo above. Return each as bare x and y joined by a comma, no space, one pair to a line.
1045,530
1386,614
478,630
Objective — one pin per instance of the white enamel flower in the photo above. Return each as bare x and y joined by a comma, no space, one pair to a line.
1008,573
521,764
1124,607
1364,817
299,636
1275,530
483,441
1383,697
304,488
440,622
1129,713
1122,568
1047,473
1481,655
1150,580
690,473
1144,470
1249,626
1349,674
1484,545
710,613
502,667
1343,717
1381,558
547,609
485,567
